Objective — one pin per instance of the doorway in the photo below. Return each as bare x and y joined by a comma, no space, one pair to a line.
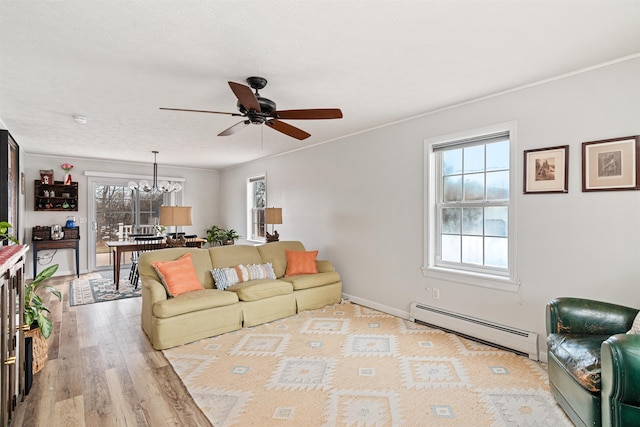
117,211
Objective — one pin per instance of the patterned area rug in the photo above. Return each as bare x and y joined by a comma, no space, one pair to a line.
99,287
347,365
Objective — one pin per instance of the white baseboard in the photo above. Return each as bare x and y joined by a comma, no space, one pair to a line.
376,306
542,355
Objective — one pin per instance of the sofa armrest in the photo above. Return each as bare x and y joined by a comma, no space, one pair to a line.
154,289
620,380
325,266
583,316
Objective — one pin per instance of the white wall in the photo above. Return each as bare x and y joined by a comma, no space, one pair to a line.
201,191
359,201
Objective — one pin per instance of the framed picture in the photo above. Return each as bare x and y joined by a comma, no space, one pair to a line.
611,164
546,170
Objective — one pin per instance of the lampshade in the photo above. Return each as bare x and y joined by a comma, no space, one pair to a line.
175,215
273,215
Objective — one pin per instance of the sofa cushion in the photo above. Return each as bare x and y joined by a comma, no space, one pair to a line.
200,258
228,256
580,355
301,262
274,253
254,290
306,281
193,301
179,276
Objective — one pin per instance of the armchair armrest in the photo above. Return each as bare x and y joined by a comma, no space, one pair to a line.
620,380
584,316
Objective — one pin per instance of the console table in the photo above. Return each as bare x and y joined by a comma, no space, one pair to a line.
42,245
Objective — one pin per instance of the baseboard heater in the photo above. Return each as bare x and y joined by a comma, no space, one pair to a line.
506,337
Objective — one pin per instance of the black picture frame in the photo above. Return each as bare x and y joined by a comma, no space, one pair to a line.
611,164
546,170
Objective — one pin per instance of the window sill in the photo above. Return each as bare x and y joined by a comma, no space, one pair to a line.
498,283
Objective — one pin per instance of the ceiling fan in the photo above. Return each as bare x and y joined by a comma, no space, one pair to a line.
258,110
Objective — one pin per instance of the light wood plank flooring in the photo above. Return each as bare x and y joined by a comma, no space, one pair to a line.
102,371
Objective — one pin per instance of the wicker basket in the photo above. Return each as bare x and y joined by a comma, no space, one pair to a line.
40,349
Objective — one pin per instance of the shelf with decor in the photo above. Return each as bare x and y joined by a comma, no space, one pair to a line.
57,196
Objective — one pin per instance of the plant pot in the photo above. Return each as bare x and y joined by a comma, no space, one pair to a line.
228,242
40,348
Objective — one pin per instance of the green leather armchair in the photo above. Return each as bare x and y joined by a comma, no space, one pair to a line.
621,381
576,331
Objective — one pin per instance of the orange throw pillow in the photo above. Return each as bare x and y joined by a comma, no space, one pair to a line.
301,262
178,276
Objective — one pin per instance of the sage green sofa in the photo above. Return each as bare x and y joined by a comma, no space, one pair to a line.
594,366
172,321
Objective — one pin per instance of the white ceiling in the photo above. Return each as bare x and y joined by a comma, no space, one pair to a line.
116,62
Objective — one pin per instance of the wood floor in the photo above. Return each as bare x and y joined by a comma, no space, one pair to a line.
102,371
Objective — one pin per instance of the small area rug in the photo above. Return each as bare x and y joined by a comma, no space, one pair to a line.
347,365
99,287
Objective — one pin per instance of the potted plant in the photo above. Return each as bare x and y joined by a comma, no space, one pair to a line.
215,235
230,237
35,312
159,229
4,233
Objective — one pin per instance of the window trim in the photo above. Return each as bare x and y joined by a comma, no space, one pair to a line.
480,277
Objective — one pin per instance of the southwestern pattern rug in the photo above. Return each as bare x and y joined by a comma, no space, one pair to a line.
347,365
99,287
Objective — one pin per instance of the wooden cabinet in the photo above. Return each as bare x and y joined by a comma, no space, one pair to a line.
55,197
12,366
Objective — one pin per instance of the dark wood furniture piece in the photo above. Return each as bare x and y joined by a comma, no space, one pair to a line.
120,247
64,198
41,245
12,349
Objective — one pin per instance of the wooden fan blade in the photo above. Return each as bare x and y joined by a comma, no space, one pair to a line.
310,114
235,128
287,129
245,96
201,111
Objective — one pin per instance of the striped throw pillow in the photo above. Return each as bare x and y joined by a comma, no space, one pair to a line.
228,276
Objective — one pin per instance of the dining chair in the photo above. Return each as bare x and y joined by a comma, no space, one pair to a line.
143,244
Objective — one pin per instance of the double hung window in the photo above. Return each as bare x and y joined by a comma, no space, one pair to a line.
257,201
470,206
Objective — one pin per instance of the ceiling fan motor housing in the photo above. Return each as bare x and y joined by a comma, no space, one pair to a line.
267,108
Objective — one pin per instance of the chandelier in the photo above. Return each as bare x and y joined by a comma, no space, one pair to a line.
156,187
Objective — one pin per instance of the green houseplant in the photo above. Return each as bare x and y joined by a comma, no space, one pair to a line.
218,236
215,235
4,233
34,309
230,236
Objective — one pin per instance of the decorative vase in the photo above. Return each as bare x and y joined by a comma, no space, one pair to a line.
67,178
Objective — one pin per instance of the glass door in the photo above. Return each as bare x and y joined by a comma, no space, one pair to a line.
117,212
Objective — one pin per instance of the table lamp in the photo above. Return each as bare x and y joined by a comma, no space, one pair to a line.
272,216
176,216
